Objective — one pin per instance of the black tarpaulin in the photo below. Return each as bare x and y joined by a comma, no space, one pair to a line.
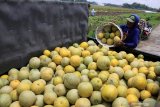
27,28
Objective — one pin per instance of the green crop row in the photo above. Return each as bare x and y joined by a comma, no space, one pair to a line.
96,21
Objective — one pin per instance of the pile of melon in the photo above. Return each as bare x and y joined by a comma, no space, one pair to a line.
110,35
82,75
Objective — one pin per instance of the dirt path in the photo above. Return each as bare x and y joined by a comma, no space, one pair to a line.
152,45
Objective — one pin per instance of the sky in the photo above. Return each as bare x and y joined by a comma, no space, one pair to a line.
150,3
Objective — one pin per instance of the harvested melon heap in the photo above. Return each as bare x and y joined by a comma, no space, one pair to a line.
82,75
110,35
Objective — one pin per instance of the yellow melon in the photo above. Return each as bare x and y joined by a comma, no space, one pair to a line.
92,74
140,82
72,96
114,75
47,52
135,70
57,59
109,93
14,95
145,94
57,49
114,62
133,91
82,102
14,84
84,45
122,91
143,70
4,76
151,75
85,53
61,102
59,73
64,52
46,74
110,41
112,81
97,55
132,98
130,82
15,104
100,35
69,69
129,74
112,35
23,87
130,57
96,83
37,87
49,97
96,98
60,90
85,89
103,75
77,73
75,60
57,80
153,88
151,68
117,39
92,66
127,67
104,40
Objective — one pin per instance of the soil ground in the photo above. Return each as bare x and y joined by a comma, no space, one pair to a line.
152,45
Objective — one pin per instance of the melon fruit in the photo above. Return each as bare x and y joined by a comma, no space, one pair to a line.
71,81
75,60
96,83
122,91
96,98
39,101
82,87
14,95
5,100
60,90
103,63
72,96
120,102
34,63
69,69
34,75
37,87
109,93
6,89
49,97
65,61
30,96
46,74
15,104
82,102
61,102
150,102
157,70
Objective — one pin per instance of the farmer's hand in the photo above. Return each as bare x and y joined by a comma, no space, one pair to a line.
120,43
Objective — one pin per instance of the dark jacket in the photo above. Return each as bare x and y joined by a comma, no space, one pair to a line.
132,38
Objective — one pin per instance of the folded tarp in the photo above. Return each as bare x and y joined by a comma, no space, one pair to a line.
27,28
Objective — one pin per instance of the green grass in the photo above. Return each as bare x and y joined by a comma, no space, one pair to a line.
96,21
112,9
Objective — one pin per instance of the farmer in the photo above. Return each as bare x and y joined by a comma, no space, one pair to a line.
93,12
131,32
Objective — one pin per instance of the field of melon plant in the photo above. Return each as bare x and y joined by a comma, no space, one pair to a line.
123,13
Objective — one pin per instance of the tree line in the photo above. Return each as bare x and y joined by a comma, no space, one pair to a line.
138,6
